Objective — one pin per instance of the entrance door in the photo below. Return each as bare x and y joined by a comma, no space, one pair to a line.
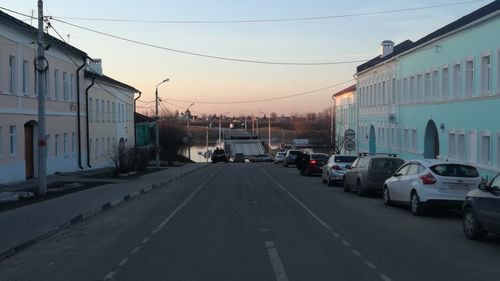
29,150
431,142
372,139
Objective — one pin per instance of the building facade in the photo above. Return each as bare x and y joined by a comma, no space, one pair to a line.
447,95
346,118
19,103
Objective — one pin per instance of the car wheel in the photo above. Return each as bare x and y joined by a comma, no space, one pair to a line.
417,207
346,187
359,189
471,226
387,197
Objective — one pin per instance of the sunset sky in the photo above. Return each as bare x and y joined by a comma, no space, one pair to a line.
200,79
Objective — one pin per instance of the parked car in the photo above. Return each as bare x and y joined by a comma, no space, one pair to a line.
261,158
369,172
239,157
312,163
280,156
333,171
422,183
481,210
219,155
291,157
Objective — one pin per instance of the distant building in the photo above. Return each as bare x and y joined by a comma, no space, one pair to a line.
437,97
345,117
144,131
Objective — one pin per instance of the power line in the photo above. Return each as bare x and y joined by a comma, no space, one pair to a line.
314,18
266,99
206,55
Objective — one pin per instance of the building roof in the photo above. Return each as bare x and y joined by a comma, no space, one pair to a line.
140,118
461,22
349,89
32,31
90,74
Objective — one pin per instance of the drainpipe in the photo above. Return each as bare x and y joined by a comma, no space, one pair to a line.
135,129
87,111
79,112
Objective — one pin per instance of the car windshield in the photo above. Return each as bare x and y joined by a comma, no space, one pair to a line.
386,164
319,156
455,170
345,159
219,151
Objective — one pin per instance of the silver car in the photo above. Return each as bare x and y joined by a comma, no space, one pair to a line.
280,156
334,169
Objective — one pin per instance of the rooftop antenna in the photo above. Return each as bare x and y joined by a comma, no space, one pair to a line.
31,17
68,35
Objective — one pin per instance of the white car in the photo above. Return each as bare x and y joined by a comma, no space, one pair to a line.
280,156
334,170
430,182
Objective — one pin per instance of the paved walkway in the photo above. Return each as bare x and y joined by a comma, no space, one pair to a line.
24,226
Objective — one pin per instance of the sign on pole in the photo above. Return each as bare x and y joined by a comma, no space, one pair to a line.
349,134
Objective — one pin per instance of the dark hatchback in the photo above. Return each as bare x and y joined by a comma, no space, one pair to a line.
219,155
481,210
312,164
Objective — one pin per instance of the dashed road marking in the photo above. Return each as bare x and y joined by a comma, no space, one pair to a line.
369,264
356,253
345,243
335,234
124,261
385,278
274,257
110,275
264,229
145,240
135,250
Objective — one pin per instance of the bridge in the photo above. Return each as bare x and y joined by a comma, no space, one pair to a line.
240,141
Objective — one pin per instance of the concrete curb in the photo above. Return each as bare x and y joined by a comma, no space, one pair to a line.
92,212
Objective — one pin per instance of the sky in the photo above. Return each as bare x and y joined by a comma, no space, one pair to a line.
226,31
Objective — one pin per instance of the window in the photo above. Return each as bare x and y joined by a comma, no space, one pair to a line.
485,150
113,108
405,91
102,111
414,140
485,74
382,137
384,93
56,145
451,145
435,85
445,82
393,137
56,84
25,76
65,142
108,115
96,150
65,86
12,74
103,152
71,87
73,143
461,146
393,91
469,78
427,86
412,89
12,140
91,110
419,96
457,81
473,146
109,146
96,110
406,138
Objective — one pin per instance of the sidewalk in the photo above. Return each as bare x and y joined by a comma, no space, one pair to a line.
22,227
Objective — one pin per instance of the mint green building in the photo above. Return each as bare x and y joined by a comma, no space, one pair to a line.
438,97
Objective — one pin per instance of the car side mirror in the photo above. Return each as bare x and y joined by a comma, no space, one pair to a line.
483,186
348,167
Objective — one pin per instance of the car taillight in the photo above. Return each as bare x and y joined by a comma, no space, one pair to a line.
313,162
428,179
336,168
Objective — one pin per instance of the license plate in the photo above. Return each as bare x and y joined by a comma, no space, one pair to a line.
459,186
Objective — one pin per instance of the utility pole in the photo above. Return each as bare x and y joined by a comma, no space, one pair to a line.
157,117
41,69
269,132
220,130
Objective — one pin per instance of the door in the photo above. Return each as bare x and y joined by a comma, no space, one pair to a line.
351,173
373,141
489,206
397,186
431,141
28,151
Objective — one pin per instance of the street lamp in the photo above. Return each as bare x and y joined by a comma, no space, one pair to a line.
157,137
220,127
206,155
269,130
332,124
188,116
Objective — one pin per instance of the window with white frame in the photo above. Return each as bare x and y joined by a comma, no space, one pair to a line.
405,91
473,146
65,86
414,139
406,139
457,81
435,85
486,74
56,145
113,108
96,150
427,86
412,90
460,146
469,77
12,140
56,84
393,90
384,93
419,96
71,87
65,144
393,137
452,151
109,145
485,149
382,136
103,116
25,77
445,83
12,74
73,143
103,152
97,110
108,109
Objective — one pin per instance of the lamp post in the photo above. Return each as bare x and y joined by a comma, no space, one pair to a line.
157,137
220,128
206,155
188,116
269,130
332,125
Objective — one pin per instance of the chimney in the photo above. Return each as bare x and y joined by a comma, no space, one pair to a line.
386,48
95,66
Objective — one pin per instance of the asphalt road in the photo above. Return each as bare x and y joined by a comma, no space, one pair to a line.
258,222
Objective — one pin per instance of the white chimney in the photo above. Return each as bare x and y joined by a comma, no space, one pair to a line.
386,48
94,65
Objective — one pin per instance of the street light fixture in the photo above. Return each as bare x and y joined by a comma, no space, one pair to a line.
187,114
157,137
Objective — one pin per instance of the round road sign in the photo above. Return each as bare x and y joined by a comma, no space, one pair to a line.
350,145
349,134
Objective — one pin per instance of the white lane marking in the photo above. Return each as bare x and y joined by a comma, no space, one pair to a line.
174,212
274,257
335,234
356,253
52,263
135,250
345,243
264,229
263,222
385,278
124,261
369,264
145,240
110,275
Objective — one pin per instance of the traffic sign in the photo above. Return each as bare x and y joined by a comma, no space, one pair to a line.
349,145
349,134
